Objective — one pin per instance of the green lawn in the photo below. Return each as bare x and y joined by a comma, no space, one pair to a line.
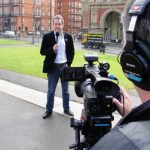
27,60
10,42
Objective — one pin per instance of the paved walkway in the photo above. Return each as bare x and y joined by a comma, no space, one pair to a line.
15,45
21,123
22,127
33,90
39,98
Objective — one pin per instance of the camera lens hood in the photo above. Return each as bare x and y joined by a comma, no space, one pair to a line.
106,87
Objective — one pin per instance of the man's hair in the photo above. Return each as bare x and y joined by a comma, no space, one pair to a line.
142,27
58,17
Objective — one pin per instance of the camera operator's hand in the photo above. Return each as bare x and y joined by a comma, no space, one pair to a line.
123,107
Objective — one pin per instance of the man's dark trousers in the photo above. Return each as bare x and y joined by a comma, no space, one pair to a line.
53,78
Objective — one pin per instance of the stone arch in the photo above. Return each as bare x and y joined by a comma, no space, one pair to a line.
109,33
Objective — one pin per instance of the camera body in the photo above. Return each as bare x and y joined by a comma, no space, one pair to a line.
93,83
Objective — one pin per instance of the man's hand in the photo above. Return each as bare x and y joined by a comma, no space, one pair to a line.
123,107
55,48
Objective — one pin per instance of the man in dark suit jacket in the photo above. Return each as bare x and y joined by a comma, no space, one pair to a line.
58,49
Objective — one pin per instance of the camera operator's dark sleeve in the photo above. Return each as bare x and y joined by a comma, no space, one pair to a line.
114,140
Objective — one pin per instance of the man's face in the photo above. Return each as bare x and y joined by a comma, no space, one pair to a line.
58,25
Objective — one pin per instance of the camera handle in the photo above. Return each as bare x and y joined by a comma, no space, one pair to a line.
77,125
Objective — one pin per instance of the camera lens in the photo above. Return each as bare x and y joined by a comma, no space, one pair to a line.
106,87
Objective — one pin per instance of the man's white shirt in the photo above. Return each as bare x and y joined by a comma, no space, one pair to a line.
61,51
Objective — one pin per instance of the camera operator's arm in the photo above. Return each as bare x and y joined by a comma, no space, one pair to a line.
125,106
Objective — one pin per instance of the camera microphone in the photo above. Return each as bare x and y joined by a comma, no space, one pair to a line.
112,77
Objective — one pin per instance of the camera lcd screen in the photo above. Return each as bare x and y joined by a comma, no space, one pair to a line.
74,73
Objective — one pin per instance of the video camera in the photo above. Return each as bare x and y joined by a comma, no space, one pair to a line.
95,85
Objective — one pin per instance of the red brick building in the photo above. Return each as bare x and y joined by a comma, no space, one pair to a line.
71,12
100,16
25,16
103,16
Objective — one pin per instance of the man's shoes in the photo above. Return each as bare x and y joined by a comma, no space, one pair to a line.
68,112
47,114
